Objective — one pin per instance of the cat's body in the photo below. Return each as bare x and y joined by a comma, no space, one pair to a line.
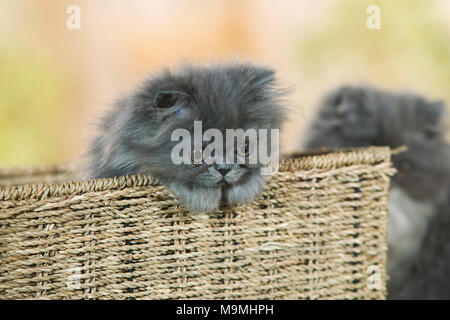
429,268
408,222
135,137
361,116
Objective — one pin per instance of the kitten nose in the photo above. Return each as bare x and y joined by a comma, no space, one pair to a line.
223,172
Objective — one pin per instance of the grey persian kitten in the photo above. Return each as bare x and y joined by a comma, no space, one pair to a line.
362,116
135,137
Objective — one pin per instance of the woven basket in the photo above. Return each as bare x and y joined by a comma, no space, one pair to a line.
318,231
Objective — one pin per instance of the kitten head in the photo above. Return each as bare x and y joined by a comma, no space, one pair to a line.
361,116
137,135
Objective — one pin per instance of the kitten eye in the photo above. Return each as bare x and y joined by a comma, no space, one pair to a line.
197,157
244,149
165,99
404,167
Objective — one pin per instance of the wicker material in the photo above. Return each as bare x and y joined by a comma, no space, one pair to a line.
315,233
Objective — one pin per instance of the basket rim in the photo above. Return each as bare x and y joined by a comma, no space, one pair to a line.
323,159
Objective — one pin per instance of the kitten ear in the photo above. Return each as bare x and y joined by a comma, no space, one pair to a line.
168,99
336,97
262,76
172,102
351,110
266,74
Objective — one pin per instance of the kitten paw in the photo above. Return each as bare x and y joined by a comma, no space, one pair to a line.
243,193
197,199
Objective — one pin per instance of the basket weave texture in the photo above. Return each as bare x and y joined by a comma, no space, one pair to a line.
318,231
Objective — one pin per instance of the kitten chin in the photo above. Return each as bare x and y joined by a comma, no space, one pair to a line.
196,198
201,199
244,193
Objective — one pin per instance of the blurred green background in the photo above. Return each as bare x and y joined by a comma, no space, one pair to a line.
54,82
31,91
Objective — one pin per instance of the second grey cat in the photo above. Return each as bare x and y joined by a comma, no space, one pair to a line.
419,221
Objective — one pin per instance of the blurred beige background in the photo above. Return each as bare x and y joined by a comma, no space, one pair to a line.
54,82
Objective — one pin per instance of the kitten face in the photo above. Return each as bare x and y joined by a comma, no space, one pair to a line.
136,135
359,116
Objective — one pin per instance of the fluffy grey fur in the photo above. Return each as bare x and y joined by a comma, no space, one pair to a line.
135,137
427,274
362,116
